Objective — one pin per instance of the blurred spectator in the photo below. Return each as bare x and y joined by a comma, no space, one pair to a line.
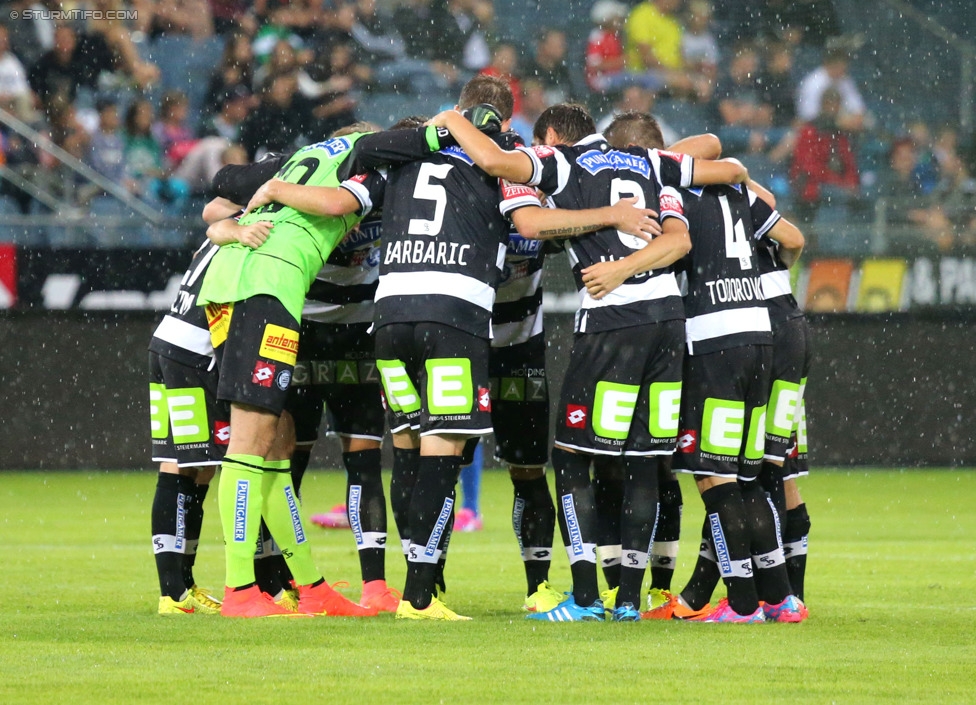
298,16
116,35
812,22
777,83
231,16
171,131
745,117
227,123
831,74
16,95
504,65
332,84
824,168
29,40
699,49
548,65
458,33
106,153
206,159
144,158
654,34
235,72
926,165
637,99
281,120
605,61
68,65
532,105
283,58
157,18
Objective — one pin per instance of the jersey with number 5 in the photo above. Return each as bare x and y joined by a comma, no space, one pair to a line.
444,243
724,303
590,174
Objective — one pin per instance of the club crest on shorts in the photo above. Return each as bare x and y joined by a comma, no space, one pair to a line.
263,373
576,416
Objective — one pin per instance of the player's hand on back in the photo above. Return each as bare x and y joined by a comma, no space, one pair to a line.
254,235
640,222
603,277
262,197
485,117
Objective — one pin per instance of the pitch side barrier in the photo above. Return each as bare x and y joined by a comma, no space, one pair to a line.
893,389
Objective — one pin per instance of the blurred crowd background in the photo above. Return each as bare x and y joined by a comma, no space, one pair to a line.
857,115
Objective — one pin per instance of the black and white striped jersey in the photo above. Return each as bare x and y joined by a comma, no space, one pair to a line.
183,334
344,288
444,243
724,303
590,174
776,283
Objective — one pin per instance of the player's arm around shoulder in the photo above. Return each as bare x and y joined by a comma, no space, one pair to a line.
314,200
790,239
721,171
673,244
535,222
703,146
514,165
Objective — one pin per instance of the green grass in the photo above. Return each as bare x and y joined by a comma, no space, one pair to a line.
891,587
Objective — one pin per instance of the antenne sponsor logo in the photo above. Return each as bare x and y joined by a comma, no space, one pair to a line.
296,518
240,510
442,519
572,523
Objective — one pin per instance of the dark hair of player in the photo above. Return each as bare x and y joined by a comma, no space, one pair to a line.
409,122
634,128
570,121
361,126
487,89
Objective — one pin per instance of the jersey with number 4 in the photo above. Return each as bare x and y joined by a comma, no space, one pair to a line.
724,304
590,174
444,243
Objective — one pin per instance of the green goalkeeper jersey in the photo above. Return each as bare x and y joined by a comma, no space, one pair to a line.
298,245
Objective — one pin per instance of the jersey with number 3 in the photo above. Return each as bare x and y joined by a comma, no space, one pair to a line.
590,174
444,243
724,303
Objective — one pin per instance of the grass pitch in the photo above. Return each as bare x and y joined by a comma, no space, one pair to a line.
891,588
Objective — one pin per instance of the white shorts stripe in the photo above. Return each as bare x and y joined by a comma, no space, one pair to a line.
459,286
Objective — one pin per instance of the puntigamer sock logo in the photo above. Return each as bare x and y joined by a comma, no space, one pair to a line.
240,510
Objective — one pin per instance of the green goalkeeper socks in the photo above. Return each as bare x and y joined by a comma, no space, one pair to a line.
282,514
239,498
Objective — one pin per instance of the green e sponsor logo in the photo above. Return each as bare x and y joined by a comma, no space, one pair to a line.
723,426
756,445
449,389
783,402
613,409
401,395
188,415
158,416
664,399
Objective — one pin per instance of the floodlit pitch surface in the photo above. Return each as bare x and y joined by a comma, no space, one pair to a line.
891,589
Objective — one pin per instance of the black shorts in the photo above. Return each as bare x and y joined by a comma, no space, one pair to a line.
435,379
623,391
336,368
791,366
723,412
188,425
256,345
520,403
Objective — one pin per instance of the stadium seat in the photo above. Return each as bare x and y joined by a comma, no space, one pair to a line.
828,285
881,285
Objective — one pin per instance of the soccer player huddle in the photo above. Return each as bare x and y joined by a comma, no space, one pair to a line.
395,278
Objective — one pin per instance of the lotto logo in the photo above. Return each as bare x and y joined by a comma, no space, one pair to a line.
263,373
221,433
687,442
576,416
484,399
